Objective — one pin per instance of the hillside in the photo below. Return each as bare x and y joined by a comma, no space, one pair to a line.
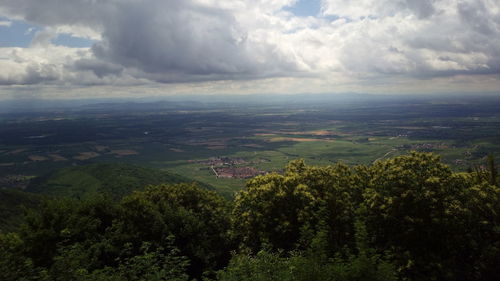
407,218
113,179
11,207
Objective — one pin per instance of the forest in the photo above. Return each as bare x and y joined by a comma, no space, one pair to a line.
406,218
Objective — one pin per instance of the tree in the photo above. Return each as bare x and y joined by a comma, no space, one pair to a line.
364,265
14,265
492,169
61,222
72,238
438,224
197,220
286,211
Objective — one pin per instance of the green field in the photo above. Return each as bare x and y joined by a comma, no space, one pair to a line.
266,136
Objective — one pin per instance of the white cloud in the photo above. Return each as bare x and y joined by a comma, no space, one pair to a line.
29,31
43,38
79,31
418,38
186,41
28,66
58,65
5,23
386,8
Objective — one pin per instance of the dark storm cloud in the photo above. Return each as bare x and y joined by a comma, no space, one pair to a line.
479,18
208,40
175,38
167,40
54,12
99,68
421,8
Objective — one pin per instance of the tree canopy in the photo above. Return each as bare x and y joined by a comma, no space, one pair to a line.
406,218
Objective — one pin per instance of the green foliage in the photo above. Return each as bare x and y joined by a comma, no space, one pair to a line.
492,169
268,266
155,265
367,264
13,264
489,173
152,265
61,222
12,204
116,180
285,211
270,212
80,237
437,224
409,217
197,218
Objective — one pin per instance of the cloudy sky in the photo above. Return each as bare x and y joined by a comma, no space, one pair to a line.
100,48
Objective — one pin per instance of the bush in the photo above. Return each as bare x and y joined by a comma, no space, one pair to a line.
365,265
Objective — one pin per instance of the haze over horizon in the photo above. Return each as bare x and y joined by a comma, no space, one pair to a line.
135,48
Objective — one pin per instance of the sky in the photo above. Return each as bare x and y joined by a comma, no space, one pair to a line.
134,48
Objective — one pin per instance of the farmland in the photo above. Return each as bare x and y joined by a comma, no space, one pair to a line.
247,138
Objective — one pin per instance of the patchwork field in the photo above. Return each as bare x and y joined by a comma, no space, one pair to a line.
263,137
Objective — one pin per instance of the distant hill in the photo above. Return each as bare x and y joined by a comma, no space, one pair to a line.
11,207
114,179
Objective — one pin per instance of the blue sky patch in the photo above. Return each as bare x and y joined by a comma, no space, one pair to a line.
20,34
305,8
72,42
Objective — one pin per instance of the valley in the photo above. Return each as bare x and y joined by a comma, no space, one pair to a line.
222,144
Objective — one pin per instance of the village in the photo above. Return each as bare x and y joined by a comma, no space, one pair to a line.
230,168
